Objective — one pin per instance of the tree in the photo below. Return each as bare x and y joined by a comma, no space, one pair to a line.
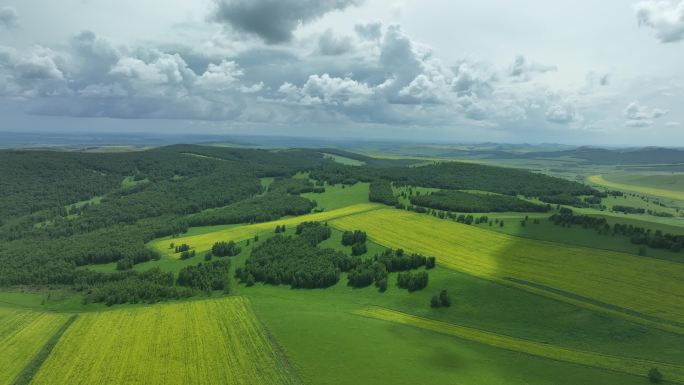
435,302
430,263
225,249
444,299
655,376
382,285
359,249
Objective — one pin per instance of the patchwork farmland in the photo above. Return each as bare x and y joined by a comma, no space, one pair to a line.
197,342
22,336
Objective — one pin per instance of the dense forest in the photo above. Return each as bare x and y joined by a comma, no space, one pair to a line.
473,202
457,176
64,210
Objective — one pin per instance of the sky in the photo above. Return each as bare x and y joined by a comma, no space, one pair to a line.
582,72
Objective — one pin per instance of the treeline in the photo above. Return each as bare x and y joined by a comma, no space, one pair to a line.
381,192
267,207
129,287
152,285
637,235
628,209
472,202
295,186
206,276
457,176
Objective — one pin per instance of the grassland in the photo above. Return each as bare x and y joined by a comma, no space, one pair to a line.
197,342
603,361
329,344
339,196
545,230
646,189
616,283
22,335
204,242
344,160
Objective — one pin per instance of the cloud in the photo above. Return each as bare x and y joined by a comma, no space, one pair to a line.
9,17
369,31
673,124
522,70
380,77
274,20
327,90
331,45
664,16
561,113
638,115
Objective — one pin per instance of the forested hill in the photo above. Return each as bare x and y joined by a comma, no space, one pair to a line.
645,156
61,210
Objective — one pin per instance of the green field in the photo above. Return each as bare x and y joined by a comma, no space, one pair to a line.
603,361
603,280
641,185
532,303
546,230
329,344
204,241
197,342
22,335
339,196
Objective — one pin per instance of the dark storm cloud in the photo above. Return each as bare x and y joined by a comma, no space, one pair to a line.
274,20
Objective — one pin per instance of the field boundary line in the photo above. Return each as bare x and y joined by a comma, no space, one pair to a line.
627,365
279,350
30,370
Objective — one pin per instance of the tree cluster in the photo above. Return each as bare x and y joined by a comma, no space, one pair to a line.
130,287
412,280
376,269
441,300
357,240
380,191
206,276
294,261
225,249
472,202
313,232
628,209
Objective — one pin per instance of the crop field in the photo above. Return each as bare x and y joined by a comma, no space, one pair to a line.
198,342
204,242
602,361
608,281
659,191
22,335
